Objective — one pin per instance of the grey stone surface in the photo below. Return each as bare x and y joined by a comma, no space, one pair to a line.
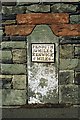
19,82
5,56
77,51
13,97
42,77
19,55
43,34
75,19
77,78
69,94
70,40
5,77
5,81
66,77
39,8
13,69
69,64
13,10
62,7
12,44
66,51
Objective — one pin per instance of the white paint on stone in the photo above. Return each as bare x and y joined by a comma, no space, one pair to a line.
39,71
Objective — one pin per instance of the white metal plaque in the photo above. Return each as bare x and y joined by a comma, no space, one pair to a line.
43,52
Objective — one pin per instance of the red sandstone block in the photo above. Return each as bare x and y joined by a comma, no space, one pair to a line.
66,29
19,29
42,18
58,29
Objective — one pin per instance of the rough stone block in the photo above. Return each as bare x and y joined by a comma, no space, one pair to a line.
74,19
18,38
13,97
5,56
70,40
66,51
66,29
5,81
66,77
77,52
8,17
5,77
12,44
19,29
13,69
42,18
69,64
19,55
6,10
77,78
38,8
62,7
78,67
13,10
8,3
19,82
69,94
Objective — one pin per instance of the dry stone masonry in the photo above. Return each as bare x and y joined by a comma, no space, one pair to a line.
24,81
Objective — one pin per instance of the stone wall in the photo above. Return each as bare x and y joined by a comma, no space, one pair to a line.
19,27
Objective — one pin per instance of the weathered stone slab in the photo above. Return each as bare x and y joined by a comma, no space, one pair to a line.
8,17
5,81
66,51
69,94
12,44
8,77
70,40
13,10
5,56
66,77
42,77
13,97
42,18
18,38
77,51
38,8
77,78
19,82
13,69
62,7
69,64
19,55
74,19
19,29
66,29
